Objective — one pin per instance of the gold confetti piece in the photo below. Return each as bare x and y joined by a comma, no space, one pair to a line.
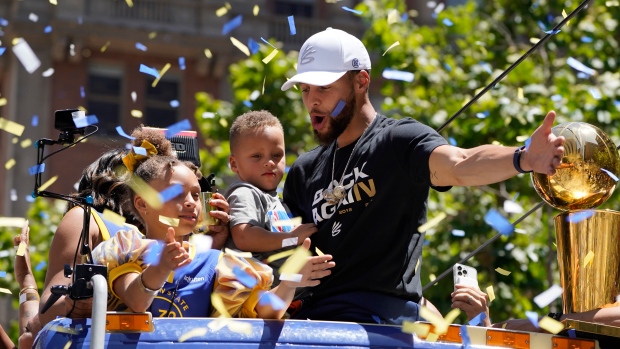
564,15
15,222
393,17
452,315
293,221
68,345
129,3
520,93
280,255
218,324
53,2
441,326
113,217
150,195
238,253
318,252
208,53
9,164
224,123
612,3
502,271
136,113
21,249
431,223
48,183
504,325
551,325
11,127
264,79
62,329
105,47
218,304
240,327
417,264
588,259
432,337
255,10
270,56
221,11
173,222
421,330
152,35
26,143
161,73
295,262
3,101
197,332
15,140
391,46
5,290
534,41
241,46
491,293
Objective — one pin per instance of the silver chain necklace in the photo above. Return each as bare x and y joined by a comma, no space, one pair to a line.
335,195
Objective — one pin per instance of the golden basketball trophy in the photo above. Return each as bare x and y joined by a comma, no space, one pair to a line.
588,246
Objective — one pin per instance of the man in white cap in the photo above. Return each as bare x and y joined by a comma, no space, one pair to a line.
366,186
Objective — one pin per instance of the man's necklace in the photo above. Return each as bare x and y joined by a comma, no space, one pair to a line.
335,195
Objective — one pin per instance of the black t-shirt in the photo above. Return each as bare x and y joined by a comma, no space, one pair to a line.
373,232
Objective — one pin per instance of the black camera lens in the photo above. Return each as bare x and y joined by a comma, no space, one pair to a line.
459,273
459,267
465,272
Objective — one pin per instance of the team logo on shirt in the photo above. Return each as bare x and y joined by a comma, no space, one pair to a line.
336,228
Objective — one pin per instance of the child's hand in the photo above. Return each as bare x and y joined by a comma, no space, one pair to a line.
219,232
303,231
316,267
173,255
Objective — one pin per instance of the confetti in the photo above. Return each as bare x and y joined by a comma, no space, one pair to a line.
433,222
447,22
588,259
151,257
49,72
279,255
113,217
48,183
238,253
136,113
253,46
533,317
595,93
141,47
552,32
26,143
197,332
441,326
40,266
174,103
171,192
458,232
2,49
175,128
238,44
173,222
11,127
208,115
482,115
575,64
2,274
419,329
270,56
218,304
376,318
181,63
247,104
564,15
36,169
268,298
129,3
244,278
53,2
392,74
104,47
295,262
498,222
572,333
255,10
512,207
232,24
267,42
391,47
160,74
21,249
491,293
465,337
289,242
551,325
452,315
221,11
134,96
502,271
85,121
613,176
120,131
291,25
341,104
452,141
548,296
477,319
5,290
33,17
201,242
319,252
148,70
208,53
26,56
576,217
150,195
152,35
13,195
352,10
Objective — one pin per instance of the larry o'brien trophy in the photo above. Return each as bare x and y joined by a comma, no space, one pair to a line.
588,239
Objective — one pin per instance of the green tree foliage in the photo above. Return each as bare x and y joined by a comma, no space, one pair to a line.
467,48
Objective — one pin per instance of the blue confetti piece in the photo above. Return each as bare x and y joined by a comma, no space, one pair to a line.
613,176
36,169
247,103
556,98
572,333
120,131
286,169
576,217
617,103
552,32
3,22
244,278
139,151
465,337
141,47
594,92
352,10
404,17
86,121
2,49
171,192
152,255
35,121
575,64
452,141
253,46
40,266
47,29
458,232
477,319
586,39
486,67
533,317
174,103
447,22
272,300
542,25
447,66
148,70
376,318
482,115
79,20
527,143
581,75
267,42
82,93
182,63
499,222
515,197
2,274
173,129
291,25
232,24
30,198
392,74
341,104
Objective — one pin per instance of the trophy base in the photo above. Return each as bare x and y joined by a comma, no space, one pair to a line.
606,335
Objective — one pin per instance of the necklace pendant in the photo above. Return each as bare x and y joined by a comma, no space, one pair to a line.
328,195
339,192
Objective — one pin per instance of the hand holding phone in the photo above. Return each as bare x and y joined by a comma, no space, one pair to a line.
465,275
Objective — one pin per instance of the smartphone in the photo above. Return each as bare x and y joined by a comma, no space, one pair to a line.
465,275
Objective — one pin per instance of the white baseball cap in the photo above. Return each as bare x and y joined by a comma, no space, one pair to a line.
326,56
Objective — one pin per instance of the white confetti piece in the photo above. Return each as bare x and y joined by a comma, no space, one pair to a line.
26,56
289,242
196,332
48,73
548,296
14,222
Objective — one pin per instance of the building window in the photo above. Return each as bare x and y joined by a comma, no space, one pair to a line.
160,108
297,8
103,94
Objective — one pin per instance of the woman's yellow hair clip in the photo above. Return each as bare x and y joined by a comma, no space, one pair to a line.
132,159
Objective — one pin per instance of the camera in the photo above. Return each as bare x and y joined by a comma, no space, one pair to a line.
64,121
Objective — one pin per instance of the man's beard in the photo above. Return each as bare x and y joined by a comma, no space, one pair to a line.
338,123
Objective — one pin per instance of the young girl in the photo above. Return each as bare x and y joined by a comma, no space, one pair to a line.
181,280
